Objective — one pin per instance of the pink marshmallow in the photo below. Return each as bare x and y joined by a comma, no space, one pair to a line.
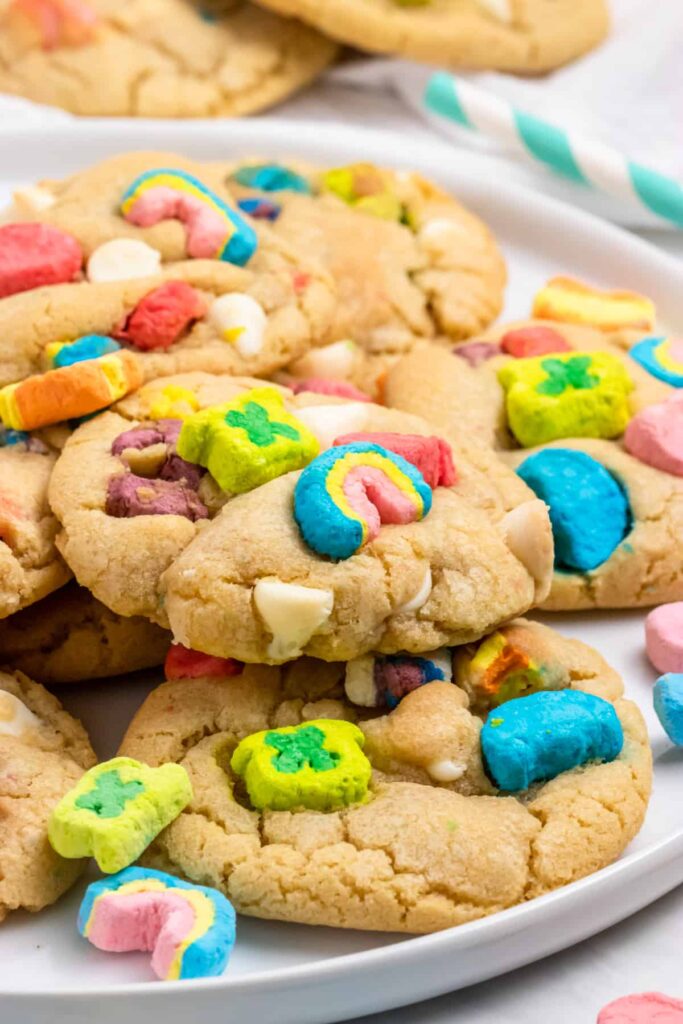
431,455
206,229
327,386
655,436
664,637
373,496
645,1008
156,922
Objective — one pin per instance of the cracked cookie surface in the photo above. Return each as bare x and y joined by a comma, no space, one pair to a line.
164,58
511,35
30,565
296,296
645,568
435,271
418,856
43,753
121,560
71,637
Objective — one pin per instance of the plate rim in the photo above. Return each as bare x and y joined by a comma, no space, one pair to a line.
269,135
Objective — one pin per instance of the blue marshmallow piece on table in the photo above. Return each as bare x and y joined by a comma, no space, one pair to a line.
535,738
589,510
668,701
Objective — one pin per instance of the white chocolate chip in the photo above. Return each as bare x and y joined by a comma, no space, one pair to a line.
330,421
421,595
501,9
529,536
336,360
359,681
15,718
446,771
292,613
34,198
240,320
441,236
123,259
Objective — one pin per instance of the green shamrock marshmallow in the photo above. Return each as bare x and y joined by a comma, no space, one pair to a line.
573,394
116,810
318,765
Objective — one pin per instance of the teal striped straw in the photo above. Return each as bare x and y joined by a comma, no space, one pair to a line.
584,161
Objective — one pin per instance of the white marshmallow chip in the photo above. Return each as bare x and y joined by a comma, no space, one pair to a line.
292,613
336,361
123,259
330,421
240,320
15,718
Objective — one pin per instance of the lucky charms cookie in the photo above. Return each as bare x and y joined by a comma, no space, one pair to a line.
30,565
587,421
408,259
164,58
525,37
164,270
136,485
310,808
362,546
71,637
43,753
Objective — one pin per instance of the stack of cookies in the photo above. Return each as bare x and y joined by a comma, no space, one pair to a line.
257,427
218,58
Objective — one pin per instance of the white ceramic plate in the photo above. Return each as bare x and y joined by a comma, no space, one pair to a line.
284,973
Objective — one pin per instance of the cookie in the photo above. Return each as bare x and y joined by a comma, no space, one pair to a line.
408,259
30,565
533,391
43,753
421,851
616,521
155,58
462,387
130,502
145,290
526,36
69,637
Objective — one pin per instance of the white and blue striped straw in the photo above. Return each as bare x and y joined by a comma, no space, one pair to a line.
584,161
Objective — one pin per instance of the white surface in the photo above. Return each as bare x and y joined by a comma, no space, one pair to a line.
625,93
284,973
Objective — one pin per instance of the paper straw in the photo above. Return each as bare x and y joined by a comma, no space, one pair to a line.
585,161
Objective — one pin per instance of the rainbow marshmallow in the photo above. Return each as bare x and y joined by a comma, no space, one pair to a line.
214,229
662,357
69,392
189,929
342,498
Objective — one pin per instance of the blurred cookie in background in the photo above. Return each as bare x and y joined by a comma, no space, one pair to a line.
155,58
526,36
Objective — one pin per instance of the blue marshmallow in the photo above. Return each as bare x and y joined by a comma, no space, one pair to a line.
668,701
90,346
272,178
535,738
589,511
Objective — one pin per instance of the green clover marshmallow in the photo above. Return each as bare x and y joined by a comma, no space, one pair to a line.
116,810
318,765
574,394
247,442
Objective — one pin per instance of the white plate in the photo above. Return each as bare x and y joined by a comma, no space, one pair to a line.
282,973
